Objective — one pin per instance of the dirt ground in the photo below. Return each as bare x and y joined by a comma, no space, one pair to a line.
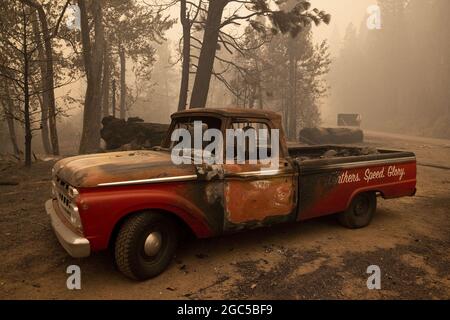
409,240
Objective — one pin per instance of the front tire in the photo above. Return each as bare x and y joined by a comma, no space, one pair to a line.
360,212
145,245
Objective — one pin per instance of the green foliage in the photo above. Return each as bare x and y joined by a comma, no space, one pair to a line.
267,69
16,33
136,28
288,16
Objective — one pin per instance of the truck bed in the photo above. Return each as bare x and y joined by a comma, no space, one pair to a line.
311,157
329,176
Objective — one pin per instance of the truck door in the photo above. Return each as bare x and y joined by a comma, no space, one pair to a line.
257,193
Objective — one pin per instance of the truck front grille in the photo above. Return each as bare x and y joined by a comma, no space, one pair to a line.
61,190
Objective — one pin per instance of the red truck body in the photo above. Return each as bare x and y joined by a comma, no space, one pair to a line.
107,206
107,188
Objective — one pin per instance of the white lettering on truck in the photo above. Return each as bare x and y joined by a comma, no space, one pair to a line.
370,175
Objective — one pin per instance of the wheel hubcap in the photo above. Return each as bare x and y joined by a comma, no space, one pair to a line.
152,243
361,207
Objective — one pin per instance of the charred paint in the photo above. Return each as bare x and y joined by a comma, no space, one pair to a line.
93,170
322,193
258,199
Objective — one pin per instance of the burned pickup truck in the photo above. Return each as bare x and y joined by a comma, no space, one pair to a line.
139,203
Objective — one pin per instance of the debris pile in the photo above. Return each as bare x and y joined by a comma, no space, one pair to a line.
133,133
349,152
340,152
318,135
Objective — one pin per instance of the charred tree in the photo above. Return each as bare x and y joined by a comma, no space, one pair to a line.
45,100
290,19
123,84
26,89
8,107
184,86
48,82
106,81
113,102
93,62
292,96
207,54
26,59
133,28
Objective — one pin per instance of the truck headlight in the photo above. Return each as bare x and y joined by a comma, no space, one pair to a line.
75,216
73,192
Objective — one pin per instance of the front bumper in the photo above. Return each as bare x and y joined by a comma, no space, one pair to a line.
75,245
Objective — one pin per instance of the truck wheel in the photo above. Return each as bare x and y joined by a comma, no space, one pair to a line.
145,245
360,212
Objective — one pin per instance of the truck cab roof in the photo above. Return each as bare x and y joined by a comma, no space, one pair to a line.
230,112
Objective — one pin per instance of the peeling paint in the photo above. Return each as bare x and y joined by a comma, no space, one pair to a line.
259,200
92,170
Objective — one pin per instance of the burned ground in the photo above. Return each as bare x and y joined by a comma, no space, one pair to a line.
408,239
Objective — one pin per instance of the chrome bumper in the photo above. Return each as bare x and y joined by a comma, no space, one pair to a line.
75,245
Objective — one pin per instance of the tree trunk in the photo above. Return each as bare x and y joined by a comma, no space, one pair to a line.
48,81
106,81
113,102
252,97
45,100
9,108
43,123
26,90
200,89
123,85
259,87
292,105
260,97
93,60
184,86
284,107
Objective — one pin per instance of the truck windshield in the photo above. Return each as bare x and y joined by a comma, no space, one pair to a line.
187,123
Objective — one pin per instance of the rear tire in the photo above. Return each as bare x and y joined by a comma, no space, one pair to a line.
145,245
360,212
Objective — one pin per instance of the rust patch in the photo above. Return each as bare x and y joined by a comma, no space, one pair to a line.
259,199
208,197
92,170
209,172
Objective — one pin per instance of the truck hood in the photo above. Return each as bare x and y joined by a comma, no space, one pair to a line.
97,169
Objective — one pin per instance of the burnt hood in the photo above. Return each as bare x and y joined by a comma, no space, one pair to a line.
105,168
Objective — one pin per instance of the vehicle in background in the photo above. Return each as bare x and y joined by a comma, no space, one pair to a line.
349,120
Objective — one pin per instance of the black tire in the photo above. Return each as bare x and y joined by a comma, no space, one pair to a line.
129,250
360,212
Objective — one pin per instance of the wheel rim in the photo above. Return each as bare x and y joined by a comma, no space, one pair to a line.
152,244
361,206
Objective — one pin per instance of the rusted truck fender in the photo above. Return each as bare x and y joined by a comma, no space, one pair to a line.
102,210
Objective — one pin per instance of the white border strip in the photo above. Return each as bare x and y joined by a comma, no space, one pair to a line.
153,180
